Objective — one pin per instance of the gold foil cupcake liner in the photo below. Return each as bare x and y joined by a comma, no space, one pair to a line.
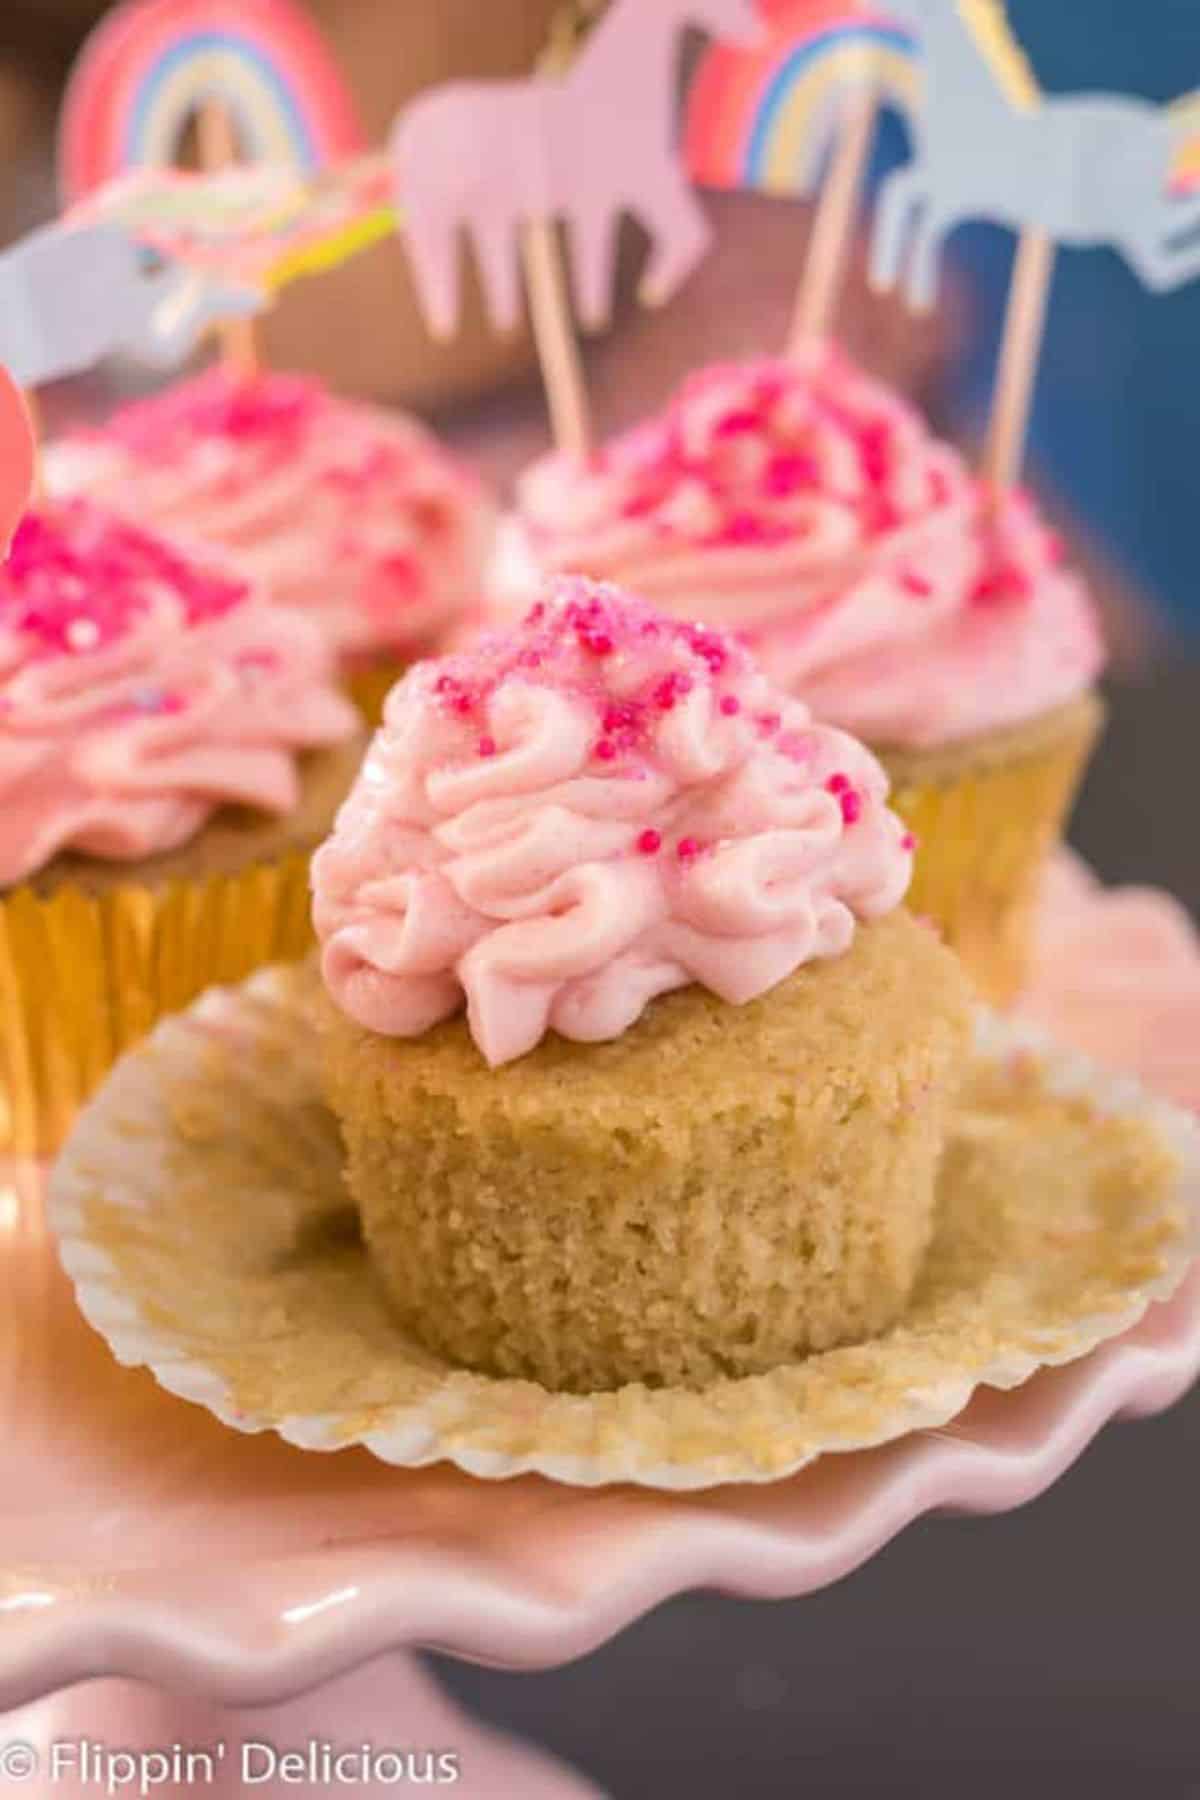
983,840
222,1253
370,685
83,976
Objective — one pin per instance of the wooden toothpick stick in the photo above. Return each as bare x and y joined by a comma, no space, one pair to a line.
219,150
833,227
556,340
1020,354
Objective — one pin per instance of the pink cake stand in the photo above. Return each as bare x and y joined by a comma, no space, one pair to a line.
141,1541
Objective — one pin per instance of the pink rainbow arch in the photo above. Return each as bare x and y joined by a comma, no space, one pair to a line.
151,63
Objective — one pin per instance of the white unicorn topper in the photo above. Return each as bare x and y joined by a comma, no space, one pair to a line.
1084,169
588,146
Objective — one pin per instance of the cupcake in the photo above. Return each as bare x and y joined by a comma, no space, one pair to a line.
353,516
643,1073
172,747
809,508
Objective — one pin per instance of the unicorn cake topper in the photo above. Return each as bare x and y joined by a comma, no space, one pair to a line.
1085,169
587,146
72,295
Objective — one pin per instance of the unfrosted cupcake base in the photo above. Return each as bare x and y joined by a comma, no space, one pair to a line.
719,1190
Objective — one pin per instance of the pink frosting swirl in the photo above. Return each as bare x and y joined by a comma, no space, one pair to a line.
341,510
600,807
140,692
809,508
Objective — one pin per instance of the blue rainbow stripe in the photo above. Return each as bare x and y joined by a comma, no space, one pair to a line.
237,51
793,68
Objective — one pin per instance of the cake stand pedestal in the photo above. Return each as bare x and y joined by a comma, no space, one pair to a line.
165,1582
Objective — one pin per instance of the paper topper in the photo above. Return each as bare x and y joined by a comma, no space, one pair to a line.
70,296
153,64
258,227
586,146
1085,170
18,459
764,118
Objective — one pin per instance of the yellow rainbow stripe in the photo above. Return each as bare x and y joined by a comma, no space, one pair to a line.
854,64
212,74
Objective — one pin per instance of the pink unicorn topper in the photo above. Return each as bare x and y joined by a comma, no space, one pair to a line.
597,142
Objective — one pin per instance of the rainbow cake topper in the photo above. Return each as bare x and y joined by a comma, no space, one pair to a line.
18,459
762,118
153,65
258,227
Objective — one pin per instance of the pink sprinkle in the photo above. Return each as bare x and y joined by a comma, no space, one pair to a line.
851,807
605,750
650,843
768,723
487,746
737,424
744,528
598,642
669,689
529,659
462,703
838,784
908,842
687,849
916,584
787,474
731,706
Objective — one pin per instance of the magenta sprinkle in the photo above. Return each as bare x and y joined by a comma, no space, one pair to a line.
79,580
852,806
220,405
650,843
738,424
786,475
731,706
463,703
838,784
687,849
487,746
606,750
908,842
916,584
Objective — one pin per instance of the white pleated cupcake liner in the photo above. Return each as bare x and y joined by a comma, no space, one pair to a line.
201,1217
